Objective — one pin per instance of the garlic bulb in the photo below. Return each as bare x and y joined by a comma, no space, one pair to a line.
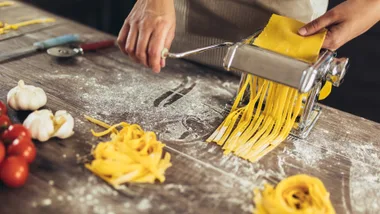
26,97
43,125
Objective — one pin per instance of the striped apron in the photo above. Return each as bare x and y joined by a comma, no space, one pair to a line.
204,22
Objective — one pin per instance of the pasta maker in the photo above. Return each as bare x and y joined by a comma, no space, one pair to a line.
308,78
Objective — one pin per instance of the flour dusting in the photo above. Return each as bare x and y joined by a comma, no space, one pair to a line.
364,189
144,205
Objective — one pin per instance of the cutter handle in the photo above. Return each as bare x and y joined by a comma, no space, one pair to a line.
61,40
97,45
165,52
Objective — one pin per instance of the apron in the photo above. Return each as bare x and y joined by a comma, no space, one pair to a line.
204,22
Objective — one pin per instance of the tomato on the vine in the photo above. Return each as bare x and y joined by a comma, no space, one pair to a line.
15,131
3,109
14,171
23,147
5,122
2,152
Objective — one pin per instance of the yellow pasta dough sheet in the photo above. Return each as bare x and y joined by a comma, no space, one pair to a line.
281,36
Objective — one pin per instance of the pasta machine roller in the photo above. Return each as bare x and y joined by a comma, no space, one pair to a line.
306,78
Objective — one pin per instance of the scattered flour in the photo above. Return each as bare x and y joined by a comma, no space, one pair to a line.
364,188
144,205
46,202
306,153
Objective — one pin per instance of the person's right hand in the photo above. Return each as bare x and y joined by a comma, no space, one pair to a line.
147,30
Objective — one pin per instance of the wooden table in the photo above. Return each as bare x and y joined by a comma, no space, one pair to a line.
183,105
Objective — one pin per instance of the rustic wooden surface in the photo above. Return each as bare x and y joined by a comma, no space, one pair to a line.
183,105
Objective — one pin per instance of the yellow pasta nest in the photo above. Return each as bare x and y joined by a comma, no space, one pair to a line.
131,155
299,194
257,128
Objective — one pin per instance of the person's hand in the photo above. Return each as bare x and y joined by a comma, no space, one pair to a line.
345,22
147,30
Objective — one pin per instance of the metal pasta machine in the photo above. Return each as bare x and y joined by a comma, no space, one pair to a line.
306,78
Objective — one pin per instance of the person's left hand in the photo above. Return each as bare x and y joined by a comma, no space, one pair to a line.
345,22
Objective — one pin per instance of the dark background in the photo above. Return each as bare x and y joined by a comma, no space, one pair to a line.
358,95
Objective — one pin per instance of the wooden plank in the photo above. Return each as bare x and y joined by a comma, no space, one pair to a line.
20,12
324,157
180,177
183,105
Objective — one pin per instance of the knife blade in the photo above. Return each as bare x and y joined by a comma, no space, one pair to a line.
61,40
17,53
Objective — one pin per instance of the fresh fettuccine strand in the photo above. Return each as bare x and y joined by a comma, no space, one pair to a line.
299,194
7,27
6,3
131,155
253,130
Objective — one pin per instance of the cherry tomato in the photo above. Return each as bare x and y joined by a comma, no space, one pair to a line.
14,171
3,109
2,152
15,131
5,122
23,147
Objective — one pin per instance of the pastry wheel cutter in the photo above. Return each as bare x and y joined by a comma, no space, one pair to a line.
306,78
63,52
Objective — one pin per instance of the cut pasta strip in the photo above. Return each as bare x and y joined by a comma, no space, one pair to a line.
7,27
253,130
296,194
222,128
131,155
97,122
248,120
6,3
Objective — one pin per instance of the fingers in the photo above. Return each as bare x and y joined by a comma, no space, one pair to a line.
318,24
122,37
335,37
344,22
156,45
168,43
130,44
145,31
142,45
133,42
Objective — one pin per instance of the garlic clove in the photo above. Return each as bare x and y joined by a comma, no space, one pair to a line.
64,123
23,98
12,102
45,130
40,124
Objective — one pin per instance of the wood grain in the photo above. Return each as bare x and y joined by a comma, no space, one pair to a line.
183,105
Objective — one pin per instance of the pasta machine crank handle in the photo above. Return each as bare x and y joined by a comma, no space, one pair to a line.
165,52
